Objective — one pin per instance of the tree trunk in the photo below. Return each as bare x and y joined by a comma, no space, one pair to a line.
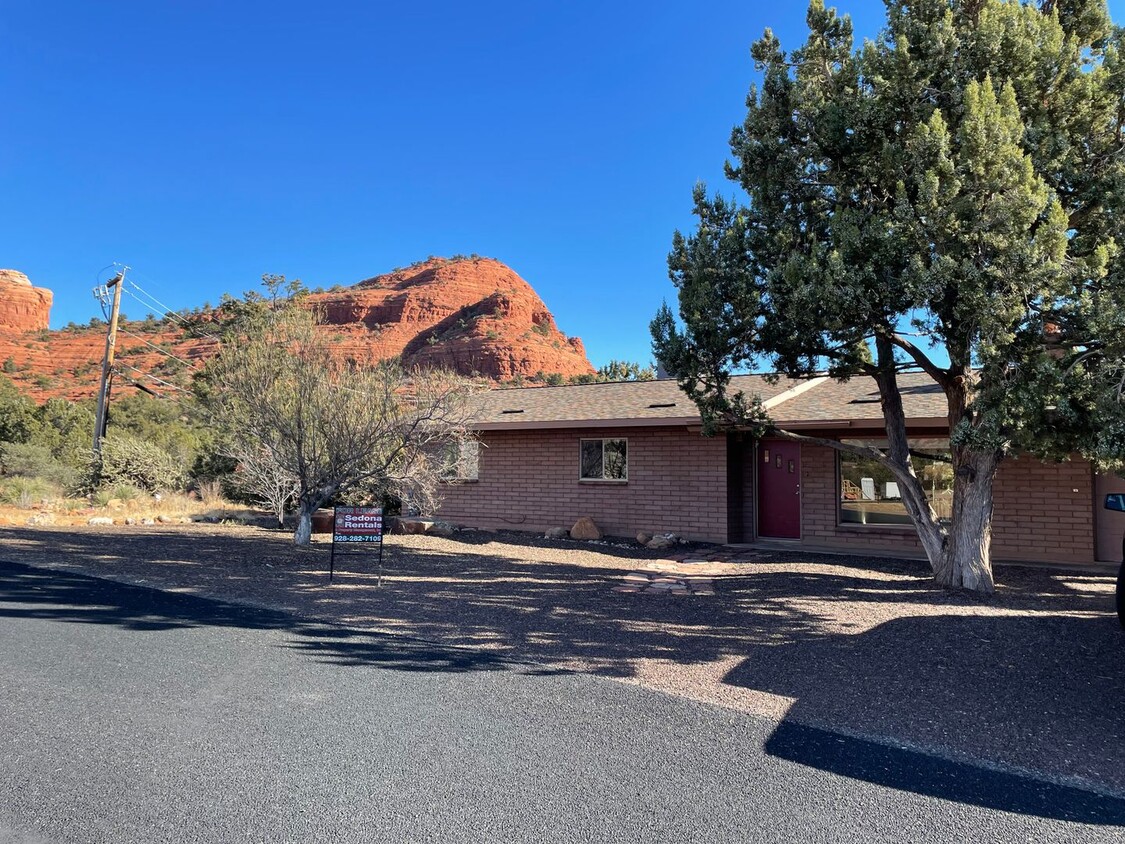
303,534
967,559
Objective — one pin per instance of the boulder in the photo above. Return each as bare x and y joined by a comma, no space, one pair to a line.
643,538
164,520
148,521
46,518
586,529
661,542
556,533
415,526
442,529
99,520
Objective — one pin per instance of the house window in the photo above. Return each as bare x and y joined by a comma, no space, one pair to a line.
603,460
870,494
462,461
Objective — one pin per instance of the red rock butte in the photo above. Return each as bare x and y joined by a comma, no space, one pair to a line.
474,315
23,307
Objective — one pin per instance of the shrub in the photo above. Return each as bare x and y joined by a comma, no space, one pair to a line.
117,492
135,462
24,492
31,460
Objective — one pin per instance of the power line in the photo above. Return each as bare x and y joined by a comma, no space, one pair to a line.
152,377
158,348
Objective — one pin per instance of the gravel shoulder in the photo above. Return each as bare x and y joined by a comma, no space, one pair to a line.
1032,678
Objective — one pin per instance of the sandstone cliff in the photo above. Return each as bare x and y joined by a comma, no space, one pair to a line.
22,307
475,315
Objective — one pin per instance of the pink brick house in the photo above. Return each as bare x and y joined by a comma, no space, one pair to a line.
632,456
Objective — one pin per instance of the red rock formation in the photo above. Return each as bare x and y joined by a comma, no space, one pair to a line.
474,315
22,307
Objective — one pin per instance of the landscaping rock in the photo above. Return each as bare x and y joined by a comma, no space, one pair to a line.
661,543
415,525
164,520
148,521
129,520
644,538
556,533
585,529
100,520
442,529
41,519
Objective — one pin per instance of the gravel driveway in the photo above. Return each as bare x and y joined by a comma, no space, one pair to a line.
1032,678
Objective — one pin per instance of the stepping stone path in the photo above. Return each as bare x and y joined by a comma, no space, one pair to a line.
659,583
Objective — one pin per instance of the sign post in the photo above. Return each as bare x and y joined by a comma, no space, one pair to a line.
356,525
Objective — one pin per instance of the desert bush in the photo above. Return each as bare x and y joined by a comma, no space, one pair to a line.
211,493
117,492
135,462
32,460
25,492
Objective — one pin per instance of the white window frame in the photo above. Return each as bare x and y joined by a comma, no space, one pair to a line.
603,440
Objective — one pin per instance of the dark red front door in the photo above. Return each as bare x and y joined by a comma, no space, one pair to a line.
779,489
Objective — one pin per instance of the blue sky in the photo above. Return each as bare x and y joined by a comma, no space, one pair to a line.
207,143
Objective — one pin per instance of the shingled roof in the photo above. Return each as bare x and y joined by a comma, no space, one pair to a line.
857,400
804,402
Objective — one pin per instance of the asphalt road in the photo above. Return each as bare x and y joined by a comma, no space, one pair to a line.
128,714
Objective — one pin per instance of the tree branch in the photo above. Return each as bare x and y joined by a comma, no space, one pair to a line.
921,358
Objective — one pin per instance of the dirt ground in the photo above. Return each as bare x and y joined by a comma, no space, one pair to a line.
1032,678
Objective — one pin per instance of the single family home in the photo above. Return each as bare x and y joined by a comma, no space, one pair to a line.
632,456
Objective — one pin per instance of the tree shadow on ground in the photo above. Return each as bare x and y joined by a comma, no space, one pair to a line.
905,769
1041,692
1032,677
37,594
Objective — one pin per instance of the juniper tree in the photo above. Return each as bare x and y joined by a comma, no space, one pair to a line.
949,197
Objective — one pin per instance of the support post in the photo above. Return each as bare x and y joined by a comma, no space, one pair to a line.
107,362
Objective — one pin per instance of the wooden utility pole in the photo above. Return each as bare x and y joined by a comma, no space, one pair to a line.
107,361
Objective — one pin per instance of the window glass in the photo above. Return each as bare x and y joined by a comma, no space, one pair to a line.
462,461
604,460
870,495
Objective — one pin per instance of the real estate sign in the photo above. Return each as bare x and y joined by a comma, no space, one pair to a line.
351,525
357,524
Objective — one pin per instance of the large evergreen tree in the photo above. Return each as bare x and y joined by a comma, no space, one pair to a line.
947,198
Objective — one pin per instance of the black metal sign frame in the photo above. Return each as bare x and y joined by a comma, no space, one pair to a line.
356,526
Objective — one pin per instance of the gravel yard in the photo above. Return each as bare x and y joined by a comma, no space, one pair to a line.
1033,677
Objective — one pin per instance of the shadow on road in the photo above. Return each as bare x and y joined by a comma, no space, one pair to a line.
31,593
921,773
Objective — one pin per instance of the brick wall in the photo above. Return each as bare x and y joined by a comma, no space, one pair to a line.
529,481
1043,511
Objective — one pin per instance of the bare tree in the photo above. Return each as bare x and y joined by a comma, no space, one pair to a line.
261,475
338,428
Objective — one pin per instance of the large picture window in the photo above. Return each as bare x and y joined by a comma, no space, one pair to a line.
870,495
603,460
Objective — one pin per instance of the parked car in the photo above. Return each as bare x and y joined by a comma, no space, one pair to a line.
1116,501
